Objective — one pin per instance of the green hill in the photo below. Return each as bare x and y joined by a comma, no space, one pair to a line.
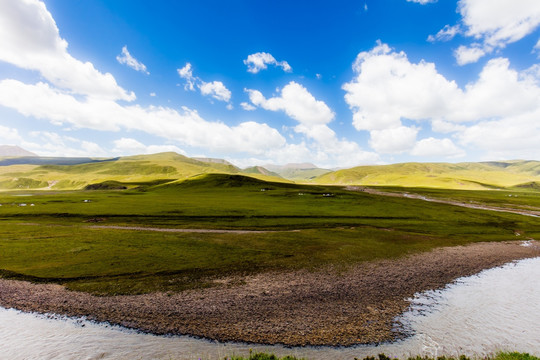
481,175
260,171
126,170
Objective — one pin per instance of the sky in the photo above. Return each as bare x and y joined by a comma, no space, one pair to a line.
334,83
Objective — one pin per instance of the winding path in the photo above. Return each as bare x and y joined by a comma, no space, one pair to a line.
532,213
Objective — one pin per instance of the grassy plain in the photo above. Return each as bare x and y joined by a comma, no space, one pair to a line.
499,356
52,238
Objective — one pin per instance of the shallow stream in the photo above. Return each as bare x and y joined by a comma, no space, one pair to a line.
498,309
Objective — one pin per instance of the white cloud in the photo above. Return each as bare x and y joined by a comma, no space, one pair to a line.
29,39
467,55
444,127
394,140
507,138
313,116
130,61
537,48
432,147
445,34
187,127
387,88
423,2
9,136
260,61
186,73
53,144
499,22
129,146
216,89
296,102
152,94
247,106
496,23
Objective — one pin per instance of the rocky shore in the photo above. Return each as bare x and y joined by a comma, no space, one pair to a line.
324,307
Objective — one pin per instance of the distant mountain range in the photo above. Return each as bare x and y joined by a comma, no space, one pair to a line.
13,151
33,172
297,172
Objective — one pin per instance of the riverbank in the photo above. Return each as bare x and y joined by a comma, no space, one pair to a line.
326,307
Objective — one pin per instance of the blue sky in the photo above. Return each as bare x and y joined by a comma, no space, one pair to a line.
337,84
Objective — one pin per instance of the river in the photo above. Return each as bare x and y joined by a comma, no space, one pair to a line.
495,310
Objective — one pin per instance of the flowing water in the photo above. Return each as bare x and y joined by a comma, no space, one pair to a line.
498,309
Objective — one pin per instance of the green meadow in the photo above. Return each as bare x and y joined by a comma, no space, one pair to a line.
54,238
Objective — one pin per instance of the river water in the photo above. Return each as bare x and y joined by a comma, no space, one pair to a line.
496,310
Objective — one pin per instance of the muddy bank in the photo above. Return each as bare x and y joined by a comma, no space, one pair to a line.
293,308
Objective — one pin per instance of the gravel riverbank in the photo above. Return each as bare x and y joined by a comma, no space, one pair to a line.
324,307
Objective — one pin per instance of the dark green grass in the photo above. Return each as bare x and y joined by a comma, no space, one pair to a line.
499,356
338,230
518,198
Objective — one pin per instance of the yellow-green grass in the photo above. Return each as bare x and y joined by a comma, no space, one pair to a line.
53,241
131,169
467,176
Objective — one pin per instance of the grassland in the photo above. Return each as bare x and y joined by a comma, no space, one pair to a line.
499,356
52,238
464,176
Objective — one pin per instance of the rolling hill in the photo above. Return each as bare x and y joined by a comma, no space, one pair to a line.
126,170
43,173
471,176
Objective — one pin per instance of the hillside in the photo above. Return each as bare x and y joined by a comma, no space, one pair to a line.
297,172
481,175
129,169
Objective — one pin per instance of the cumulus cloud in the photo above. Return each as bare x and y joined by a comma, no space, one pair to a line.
186,73
388,88
297,102
445,34
496,23
260,61
130,146
431,147
215,89
247,106
126,59
9,135
313,116
513,137
468,54
395,140
187,127
29,39
537,48
54,144
423,2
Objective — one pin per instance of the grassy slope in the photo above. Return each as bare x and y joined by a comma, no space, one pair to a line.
131,169
343,229
468,176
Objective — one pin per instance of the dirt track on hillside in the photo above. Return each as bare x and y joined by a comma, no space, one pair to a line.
326,307
533,213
